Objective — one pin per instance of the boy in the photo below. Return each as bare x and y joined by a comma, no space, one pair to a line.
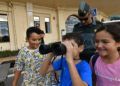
29,60
74,72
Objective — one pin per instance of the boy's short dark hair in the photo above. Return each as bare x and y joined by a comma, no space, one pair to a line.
75,36
31,30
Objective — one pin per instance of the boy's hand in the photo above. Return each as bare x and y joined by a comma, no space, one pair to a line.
70,49
50,56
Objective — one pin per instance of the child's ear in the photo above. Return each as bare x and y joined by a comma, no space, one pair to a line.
81,48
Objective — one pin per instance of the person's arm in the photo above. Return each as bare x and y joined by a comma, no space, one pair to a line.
19,65
17,74
47,65
76,79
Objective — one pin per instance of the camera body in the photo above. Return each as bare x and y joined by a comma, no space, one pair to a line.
57,48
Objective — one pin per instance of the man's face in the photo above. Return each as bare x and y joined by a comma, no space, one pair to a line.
86,20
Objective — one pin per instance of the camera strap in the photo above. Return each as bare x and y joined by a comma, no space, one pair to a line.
55,74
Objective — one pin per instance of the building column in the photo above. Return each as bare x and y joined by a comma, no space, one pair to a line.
29,8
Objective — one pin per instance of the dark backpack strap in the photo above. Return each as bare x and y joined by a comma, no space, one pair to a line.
94,59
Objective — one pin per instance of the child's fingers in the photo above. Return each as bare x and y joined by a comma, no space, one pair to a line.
68,44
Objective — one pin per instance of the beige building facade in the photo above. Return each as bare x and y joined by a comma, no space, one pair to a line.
16,17
20,16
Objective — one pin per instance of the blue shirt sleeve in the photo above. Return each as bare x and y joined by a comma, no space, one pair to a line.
85,73
57,65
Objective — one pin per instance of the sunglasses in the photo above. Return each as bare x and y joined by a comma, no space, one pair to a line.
84,19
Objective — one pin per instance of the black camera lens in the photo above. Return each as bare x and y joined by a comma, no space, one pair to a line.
56,48
44,49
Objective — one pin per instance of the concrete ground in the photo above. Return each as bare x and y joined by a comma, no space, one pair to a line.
9,79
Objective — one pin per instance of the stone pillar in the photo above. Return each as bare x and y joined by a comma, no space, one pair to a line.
29,8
